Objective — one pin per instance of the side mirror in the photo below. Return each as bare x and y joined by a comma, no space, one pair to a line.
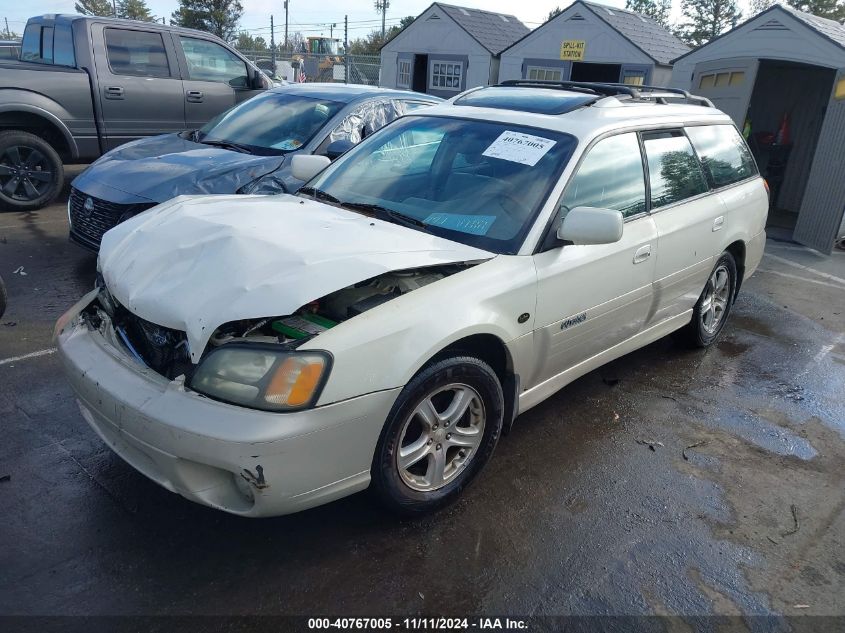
591,225
306,166
338,148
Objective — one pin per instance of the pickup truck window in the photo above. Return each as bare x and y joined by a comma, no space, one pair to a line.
63,53
136,53
208,61
37,44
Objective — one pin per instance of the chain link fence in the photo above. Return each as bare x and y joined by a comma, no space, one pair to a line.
363,69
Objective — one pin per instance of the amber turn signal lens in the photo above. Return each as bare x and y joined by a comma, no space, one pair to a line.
295,380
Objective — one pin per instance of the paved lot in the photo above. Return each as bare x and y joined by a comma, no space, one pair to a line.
574,515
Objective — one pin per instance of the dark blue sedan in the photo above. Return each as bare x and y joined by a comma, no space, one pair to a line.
244,150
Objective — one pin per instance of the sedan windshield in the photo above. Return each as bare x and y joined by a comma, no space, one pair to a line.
270,123
475,182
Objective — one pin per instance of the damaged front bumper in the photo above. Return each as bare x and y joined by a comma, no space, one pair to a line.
243,461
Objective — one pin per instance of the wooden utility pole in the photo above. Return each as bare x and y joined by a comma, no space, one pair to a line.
273,44
346,49
286,24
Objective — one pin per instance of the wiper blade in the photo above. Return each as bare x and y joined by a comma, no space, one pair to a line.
319,194
383,213
228,145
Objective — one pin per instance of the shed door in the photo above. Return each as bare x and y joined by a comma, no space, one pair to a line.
728,83
824,198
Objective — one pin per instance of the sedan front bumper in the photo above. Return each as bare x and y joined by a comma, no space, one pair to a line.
246,462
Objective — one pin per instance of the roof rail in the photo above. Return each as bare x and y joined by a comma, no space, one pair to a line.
658,93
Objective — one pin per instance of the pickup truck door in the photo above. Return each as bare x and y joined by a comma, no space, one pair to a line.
138,86
592,297
213,79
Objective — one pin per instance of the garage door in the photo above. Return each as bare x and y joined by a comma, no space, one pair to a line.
824,199
728,83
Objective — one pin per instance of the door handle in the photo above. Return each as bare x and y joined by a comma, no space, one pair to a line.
194,96
114,92
642,254
718,223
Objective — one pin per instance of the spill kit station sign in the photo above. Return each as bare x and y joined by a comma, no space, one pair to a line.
573,50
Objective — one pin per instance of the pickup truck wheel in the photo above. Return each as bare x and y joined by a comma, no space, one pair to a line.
714,305
439,435
31,172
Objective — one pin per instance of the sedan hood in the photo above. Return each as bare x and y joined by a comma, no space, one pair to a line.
163,167
196,263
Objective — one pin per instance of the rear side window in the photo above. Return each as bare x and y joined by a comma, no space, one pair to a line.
609,177
725,155
674,172
138,53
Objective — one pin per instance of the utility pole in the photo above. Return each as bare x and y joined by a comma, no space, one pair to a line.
273,44
286,25
382,5
114,7
346,49
8,32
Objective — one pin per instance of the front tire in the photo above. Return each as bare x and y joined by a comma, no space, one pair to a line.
439,434
31,172
713,308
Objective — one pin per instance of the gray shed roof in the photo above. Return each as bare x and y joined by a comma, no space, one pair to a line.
494,31
829,28
642,31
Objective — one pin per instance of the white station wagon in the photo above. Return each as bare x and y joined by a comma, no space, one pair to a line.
384,326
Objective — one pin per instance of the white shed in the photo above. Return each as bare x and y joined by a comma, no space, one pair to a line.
448,49
593,42
781,77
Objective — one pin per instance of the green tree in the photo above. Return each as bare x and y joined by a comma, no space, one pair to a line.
94,7
658,10
554,13
758,6
247,42
219,17
705,19
134,10
372,43
831,9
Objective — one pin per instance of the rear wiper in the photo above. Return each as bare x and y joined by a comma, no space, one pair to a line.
383,213
228,145
319,194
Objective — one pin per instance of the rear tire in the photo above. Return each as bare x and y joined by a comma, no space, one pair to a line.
713,308
31,172
439,434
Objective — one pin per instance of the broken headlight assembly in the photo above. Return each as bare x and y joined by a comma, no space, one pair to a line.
262,376
266,185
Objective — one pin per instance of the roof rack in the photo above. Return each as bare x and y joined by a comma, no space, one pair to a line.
658,93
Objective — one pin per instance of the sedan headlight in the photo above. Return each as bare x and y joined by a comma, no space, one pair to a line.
260,377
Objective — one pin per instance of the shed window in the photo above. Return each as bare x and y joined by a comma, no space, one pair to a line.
403,73
446,75
634,77
544,74
721,80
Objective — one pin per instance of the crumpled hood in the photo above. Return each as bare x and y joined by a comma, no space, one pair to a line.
196,263
163,167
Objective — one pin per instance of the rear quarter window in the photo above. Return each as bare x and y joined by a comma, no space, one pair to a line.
674,172
723,153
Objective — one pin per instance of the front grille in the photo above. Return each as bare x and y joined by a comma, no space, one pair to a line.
90,226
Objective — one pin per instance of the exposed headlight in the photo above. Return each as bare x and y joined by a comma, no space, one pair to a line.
260,377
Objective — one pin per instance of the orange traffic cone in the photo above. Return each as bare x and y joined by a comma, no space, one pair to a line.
783,131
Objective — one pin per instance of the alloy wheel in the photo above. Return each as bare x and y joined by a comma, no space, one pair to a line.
716,297
25,173
440,437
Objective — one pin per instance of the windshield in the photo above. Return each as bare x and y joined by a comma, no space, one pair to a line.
475,182
270,123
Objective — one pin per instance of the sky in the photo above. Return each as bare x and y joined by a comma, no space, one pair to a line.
313,17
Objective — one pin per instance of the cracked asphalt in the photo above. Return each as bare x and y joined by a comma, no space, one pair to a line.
670,482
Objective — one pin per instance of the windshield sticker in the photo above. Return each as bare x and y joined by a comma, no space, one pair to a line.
519,148
289,144
472,224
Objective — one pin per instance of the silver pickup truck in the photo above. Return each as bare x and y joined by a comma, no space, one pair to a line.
84,85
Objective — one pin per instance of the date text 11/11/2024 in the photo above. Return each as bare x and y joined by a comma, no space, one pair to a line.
418,624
